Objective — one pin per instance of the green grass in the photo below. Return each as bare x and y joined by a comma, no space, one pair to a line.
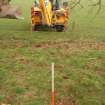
79,56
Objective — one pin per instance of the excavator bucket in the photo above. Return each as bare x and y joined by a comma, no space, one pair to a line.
8,11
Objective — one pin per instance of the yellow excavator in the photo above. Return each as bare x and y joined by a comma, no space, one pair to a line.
49,13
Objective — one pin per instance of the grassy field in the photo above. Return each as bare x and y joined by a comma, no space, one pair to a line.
79,55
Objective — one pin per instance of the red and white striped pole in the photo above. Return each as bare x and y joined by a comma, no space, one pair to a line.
53,92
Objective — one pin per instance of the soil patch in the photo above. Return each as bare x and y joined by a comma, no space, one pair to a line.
68,101
73,45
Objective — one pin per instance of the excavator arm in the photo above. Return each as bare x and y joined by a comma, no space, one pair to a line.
46,9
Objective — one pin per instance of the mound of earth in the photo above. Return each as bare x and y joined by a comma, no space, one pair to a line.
8,11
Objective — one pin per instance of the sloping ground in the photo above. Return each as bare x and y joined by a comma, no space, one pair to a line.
26,57
25,72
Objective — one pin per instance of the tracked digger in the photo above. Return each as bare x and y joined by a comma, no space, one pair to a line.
49,13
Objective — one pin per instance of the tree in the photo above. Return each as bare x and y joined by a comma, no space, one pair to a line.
93,3
99,5
75,3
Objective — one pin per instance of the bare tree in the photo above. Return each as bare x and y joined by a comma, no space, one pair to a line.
75,3
99,5
95,4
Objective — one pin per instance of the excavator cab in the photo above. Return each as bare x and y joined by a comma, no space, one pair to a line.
50,13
